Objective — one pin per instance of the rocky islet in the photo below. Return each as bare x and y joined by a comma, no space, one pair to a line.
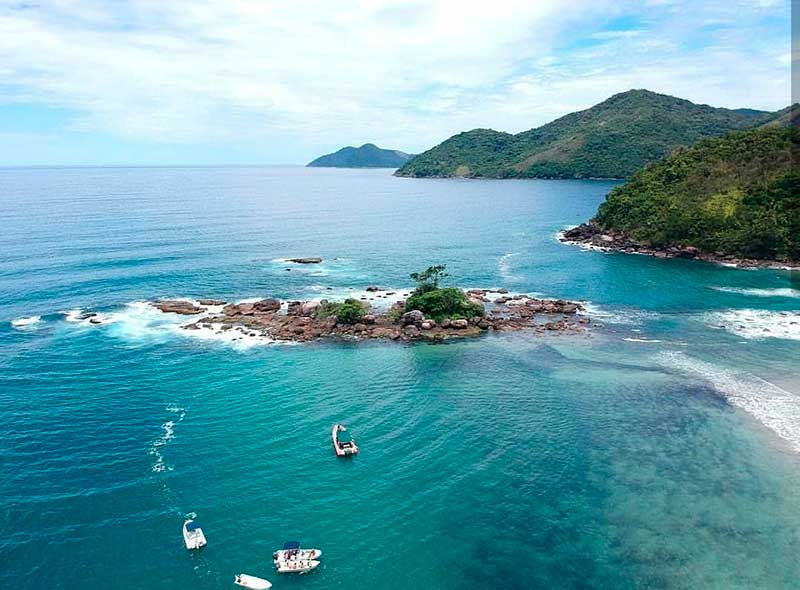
302,321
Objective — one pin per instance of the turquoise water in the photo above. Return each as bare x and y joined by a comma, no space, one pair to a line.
660,451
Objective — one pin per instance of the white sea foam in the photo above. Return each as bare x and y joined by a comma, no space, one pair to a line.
774,407
779,292
79,316
640,340
26,323
73,315
627,317
504,266
167,434
757,323
140,321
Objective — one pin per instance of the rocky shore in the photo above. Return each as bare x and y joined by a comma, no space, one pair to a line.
590,234
302,321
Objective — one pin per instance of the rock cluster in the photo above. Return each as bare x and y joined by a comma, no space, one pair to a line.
604,239
179,307
312,260
302,320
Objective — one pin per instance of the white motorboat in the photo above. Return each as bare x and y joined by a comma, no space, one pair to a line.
296,566
344,446
193,535
247,581
292,552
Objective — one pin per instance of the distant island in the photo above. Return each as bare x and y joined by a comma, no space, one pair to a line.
610,140
367,156
733,199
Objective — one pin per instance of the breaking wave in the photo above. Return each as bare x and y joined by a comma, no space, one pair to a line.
757,323
624,317
774,407
139,321
504,266
26,323
780,292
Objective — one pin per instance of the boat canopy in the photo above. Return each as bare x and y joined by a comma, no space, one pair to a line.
192,526
291,545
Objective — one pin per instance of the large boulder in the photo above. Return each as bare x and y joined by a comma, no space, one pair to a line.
266,305
412,317
179,307
459,324
234,309
428,324
309,308
411,331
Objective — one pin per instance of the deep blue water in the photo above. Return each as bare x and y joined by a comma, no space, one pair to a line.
659,451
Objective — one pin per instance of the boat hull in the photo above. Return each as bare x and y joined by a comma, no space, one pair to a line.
339,448
194,539
246,581
301,555
296,567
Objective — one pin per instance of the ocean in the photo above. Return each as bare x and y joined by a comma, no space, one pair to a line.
661,450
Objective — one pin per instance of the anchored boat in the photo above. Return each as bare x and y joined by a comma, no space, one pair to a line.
252,582
193,535
344,446
291,551
296,566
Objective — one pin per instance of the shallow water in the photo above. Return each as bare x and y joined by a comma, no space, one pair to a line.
660,451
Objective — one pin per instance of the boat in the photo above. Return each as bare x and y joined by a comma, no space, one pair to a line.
296,566
343,448
252,582
193,535
291,552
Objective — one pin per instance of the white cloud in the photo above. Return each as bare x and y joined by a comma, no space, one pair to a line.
310,75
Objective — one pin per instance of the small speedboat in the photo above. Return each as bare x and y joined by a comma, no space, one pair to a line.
296,566
292,552
252,582
343,447
193,535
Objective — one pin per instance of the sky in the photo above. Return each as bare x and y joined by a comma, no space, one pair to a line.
179,82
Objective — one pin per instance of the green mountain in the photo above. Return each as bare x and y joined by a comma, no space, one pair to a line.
738,194
367,156
610,140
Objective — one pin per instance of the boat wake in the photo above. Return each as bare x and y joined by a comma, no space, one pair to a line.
168,433
756,324
774,407
780,292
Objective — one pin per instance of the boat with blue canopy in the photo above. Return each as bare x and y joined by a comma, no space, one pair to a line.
193,534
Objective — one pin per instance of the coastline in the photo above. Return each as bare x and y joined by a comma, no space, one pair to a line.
590,236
